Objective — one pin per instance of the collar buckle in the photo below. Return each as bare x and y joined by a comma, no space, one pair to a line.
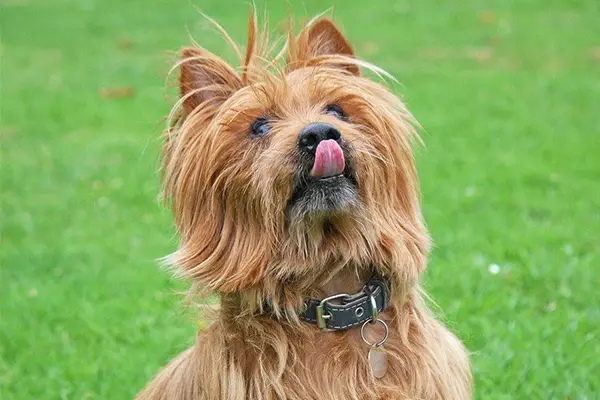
352,309
321,316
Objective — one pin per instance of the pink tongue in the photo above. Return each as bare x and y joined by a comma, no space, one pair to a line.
329,159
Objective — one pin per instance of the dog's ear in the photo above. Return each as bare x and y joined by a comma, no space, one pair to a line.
322,38
205,78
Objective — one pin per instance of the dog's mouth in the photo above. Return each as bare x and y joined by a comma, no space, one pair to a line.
325,183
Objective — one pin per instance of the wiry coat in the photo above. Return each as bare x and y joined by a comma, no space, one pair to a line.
241,237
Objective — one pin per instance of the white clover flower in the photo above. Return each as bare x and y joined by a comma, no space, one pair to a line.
494,269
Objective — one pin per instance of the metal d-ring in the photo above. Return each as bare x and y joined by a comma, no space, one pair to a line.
374,311
382,341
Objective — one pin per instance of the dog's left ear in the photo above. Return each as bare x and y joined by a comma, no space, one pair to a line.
205,78
323,38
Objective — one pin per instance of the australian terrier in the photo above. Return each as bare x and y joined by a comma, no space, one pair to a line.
296,199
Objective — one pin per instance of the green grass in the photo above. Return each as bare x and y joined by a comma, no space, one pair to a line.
508,93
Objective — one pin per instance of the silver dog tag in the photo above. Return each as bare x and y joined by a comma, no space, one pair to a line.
378,360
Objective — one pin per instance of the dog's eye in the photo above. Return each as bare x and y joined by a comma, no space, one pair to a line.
336,111
260,127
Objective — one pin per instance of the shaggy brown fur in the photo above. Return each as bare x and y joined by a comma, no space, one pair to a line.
241,237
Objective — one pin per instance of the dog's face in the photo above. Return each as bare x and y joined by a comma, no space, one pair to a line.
283,178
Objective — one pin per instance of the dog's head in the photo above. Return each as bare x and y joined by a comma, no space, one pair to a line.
282,173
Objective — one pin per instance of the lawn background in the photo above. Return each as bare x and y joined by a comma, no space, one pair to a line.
508,93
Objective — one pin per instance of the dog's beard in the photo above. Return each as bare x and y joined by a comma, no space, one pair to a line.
323,197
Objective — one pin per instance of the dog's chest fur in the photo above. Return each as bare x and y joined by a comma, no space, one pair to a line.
268,360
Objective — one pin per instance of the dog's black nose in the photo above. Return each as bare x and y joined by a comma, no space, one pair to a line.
313,134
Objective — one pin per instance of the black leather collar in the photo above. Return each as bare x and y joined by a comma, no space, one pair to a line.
343,311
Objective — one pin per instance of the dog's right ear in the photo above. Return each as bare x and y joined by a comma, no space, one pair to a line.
205,78
321,38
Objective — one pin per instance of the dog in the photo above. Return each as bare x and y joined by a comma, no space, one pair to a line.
296,200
